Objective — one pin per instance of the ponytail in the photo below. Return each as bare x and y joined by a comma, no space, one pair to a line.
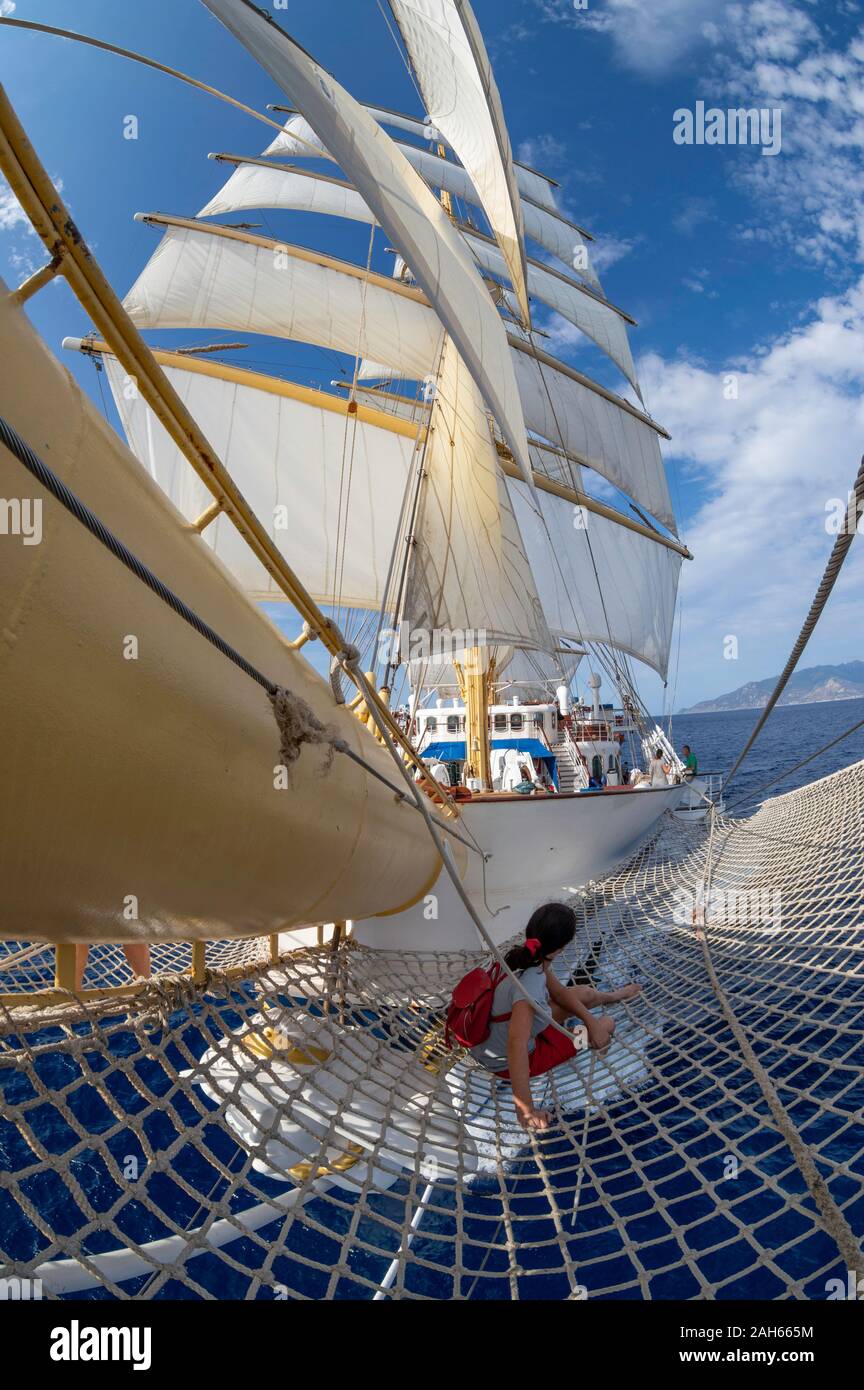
551,926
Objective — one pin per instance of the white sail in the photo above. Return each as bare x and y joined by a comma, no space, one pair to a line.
598,581
328,485
468,569
455,77
609,438
551,231
261,185
530,182
200,279
601,323
297,138
412,218
542,224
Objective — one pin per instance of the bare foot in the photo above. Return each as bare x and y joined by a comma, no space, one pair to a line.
618,996
600,1034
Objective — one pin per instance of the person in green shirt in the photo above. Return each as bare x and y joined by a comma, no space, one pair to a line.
690,764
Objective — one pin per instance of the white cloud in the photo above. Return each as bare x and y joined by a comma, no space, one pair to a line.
815,191
772,459
608,250
543,152
12,214
7,7
650,36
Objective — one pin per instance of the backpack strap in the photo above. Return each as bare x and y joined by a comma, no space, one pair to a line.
497,976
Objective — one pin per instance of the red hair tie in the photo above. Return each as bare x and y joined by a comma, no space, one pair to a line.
532,945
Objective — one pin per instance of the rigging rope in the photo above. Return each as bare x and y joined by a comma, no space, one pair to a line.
840,550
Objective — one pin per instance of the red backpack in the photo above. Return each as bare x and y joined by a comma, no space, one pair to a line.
470,1016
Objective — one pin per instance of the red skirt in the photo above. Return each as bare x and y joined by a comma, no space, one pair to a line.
551,1048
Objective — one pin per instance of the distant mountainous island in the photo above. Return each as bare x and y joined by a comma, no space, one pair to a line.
809,687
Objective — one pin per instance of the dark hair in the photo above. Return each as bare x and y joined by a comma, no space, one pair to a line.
658,752
553,925
685,748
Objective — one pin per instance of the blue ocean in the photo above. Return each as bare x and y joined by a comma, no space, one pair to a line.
793,732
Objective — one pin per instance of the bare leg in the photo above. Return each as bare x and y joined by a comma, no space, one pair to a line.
600,1030
138,956
81,954
590,998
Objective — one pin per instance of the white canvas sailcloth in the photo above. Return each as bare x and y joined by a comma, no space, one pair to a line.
541,223
258,185
412,218
468,568
597,580
198,278
455,77
329,485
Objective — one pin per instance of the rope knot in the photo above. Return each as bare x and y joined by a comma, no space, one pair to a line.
298,725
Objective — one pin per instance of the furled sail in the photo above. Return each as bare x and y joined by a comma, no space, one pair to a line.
329,483
407,210
598,581
617,441
600,322
203,278
455,77
468,569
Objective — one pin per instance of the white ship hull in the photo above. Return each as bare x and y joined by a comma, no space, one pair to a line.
537,848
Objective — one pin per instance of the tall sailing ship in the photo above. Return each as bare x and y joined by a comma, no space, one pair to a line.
435,499
477,535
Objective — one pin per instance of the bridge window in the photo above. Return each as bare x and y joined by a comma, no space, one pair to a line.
452,723
517,722
500,723
432,725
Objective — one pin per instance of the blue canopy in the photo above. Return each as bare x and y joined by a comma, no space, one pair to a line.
454,752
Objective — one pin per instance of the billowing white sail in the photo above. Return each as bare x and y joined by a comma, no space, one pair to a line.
598,581
296,139
609,438
543,224
455,77
530,182
468,569
200,279
328,484
259,184
263,185
407,210
598,321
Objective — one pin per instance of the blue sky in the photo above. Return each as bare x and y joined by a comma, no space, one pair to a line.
733,263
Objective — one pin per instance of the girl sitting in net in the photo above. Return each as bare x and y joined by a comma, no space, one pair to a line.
520,1043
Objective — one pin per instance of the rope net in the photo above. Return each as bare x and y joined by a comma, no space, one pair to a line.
297,1129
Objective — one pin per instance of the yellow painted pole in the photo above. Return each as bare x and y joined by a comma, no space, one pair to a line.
64,966
52,221
198,968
